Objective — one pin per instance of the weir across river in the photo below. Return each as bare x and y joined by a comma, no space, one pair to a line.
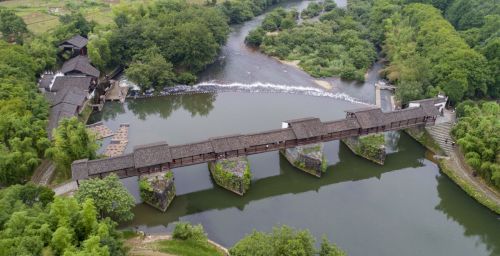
160,156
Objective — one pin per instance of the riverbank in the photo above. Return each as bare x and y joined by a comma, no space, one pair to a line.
457,170
149,245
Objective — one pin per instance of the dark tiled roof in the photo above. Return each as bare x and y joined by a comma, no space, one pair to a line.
110,164
369,117
152,154
428,105
228,143
307,127
80,64
57,113
342,125
73,96
199,148
403,114
45,81
268,137
76,41
81,82
79,169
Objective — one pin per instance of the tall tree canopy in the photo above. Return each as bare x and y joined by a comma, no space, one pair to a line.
427,55
12,27
182,38
71,142
23,111
478,134
111,198
283,241
336,45
33,222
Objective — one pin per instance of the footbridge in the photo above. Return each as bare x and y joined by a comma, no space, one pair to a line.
160,156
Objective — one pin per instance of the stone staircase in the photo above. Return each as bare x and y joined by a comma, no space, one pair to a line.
441,133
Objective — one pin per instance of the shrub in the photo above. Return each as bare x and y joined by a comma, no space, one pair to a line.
187,231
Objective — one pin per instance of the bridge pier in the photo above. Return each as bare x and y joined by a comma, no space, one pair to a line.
307,158
157,189
232,174
371,147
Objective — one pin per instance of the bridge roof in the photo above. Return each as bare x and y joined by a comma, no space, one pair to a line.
342,125
404,114
268,137
228,143
152,154
307,127
429,105
110,164
79,169
369,117
185,150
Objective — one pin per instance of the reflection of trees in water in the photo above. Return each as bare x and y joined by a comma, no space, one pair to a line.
197,104
476,221
111,110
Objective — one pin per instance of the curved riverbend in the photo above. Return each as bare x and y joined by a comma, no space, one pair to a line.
406,207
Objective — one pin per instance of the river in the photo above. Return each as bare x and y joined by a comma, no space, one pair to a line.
406,207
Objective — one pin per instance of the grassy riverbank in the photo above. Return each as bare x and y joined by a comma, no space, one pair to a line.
451,167
470,189
166,245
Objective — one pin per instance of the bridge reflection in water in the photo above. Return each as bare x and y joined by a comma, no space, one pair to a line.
289,181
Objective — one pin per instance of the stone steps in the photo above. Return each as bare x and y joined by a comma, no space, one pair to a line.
441,133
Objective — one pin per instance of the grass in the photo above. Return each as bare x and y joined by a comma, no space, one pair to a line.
128,234
43,15
187,248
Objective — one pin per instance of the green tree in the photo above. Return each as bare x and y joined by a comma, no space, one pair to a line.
99,49
110,197
328,249
149,69
12,26
72,141
281,241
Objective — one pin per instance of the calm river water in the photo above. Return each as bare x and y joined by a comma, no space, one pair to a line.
406,207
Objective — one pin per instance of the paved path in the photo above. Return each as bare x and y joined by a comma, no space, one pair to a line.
65,188
441,133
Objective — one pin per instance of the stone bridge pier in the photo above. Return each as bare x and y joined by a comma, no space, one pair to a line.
371,147
232,174
307,158
157,189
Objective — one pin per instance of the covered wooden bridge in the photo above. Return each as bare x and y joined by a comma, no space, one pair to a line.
161,156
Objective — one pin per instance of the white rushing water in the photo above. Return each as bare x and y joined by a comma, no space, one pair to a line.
258,87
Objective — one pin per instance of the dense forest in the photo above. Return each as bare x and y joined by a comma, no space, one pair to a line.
337,44
35,222
478,22
161,43
24,112
477,133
